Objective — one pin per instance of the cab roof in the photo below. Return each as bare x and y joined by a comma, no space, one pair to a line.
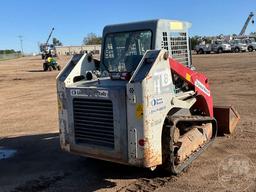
145,25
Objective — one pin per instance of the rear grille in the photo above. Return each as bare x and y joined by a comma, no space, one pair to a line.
93,122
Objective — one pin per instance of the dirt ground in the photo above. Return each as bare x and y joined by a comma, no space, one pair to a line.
28,124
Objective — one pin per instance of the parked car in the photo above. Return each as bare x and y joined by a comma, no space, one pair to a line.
251,44
203,48
219,46
238,46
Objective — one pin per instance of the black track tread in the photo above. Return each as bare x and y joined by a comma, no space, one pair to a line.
174,120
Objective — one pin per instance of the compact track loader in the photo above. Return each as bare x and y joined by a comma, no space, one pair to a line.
143,104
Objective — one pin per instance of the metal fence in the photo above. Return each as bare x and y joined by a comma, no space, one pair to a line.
10,56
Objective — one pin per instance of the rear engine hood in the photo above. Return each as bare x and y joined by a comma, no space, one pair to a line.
101,83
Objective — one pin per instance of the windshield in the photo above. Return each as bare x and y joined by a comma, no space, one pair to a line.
123,51
236,41
218,42
252,40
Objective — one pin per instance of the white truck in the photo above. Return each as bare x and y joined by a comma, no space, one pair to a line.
217,46
238,46
251,44
203,48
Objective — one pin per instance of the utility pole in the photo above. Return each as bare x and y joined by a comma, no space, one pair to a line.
21,43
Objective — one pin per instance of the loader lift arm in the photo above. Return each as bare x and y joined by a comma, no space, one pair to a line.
198,81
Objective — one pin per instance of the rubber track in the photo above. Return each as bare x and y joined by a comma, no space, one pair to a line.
200,119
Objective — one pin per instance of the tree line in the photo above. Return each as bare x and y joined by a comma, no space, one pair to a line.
8,51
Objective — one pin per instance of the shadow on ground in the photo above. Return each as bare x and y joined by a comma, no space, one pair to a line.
35,71
40,165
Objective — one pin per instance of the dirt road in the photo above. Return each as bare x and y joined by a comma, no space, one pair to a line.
28,124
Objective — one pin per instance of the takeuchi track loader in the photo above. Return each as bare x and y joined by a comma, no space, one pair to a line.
143,104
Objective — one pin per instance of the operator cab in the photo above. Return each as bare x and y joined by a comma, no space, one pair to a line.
124,50
125,44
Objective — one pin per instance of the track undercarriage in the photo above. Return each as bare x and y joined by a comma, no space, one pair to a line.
185,138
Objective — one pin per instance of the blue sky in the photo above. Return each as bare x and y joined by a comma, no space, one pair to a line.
74,19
